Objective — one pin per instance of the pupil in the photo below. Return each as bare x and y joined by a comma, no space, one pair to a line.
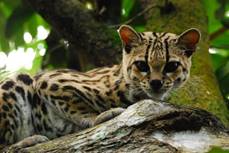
171,66
142,66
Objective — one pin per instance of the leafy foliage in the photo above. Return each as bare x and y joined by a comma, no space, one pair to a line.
218,15
218,150
16,19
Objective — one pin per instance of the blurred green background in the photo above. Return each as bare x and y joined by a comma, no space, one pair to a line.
23,35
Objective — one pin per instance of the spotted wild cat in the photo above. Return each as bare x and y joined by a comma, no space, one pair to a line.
59,102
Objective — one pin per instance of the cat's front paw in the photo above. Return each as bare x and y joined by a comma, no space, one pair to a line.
107,115
27,142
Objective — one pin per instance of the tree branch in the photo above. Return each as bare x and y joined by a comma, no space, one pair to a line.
217,33
136,16
137,130
77,25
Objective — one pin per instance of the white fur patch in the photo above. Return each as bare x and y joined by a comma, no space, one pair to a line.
143,73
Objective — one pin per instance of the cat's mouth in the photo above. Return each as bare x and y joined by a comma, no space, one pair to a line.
158,95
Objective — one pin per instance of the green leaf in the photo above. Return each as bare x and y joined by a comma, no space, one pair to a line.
222,40
36,64
4,13
222,74
218,150
4,44
41,21
16,20
218,61
11,3
211,7
223,71
31,25
139,28
127,6
223,77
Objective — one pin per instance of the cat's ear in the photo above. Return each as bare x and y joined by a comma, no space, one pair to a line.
129,37
188,40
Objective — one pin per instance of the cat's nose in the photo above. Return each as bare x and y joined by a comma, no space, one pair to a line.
156,84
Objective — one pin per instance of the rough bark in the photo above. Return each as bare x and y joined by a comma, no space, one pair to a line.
202,89
138,129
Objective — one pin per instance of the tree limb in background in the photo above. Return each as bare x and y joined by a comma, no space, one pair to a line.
77,25
136,16
218,32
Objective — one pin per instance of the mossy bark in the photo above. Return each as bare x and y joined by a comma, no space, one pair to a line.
202,89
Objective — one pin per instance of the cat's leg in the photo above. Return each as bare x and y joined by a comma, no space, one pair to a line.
109,114
16,107
28,141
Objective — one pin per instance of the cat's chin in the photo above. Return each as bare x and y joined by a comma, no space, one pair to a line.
149,94
157,95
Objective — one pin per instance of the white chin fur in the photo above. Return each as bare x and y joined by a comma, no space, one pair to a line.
160,96
156,96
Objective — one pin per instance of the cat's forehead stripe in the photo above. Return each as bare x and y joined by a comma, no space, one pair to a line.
147,51
157,45
157,50
167,49
163,34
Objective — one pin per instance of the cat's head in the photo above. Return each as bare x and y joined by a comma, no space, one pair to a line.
155,63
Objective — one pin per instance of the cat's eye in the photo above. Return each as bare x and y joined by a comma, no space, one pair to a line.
142,66
171,66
